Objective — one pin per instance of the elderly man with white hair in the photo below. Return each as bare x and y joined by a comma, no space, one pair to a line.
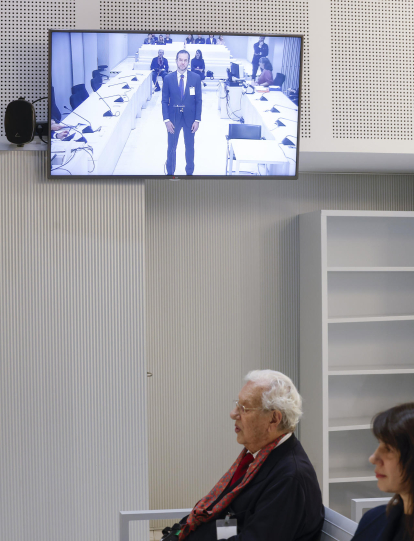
271,492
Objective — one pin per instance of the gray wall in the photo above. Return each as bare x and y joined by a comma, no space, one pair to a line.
222,267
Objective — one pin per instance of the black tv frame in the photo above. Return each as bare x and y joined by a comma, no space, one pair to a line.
50,176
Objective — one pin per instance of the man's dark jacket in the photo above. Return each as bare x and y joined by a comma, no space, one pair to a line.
283,502
156,66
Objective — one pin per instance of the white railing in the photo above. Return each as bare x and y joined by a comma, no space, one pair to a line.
125,517
359,504
335,527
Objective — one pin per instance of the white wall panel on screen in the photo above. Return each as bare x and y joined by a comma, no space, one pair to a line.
103,49
61,70
78,70
118,49
90,57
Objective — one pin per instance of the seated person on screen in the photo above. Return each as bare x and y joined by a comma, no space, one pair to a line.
159,66
394,468
198,65
211,40
200,40
56,115
271,489
149,40
266,77
161,40
54,129
220,41
167,39
189,39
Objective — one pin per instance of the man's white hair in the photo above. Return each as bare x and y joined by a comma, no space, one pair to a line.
279,394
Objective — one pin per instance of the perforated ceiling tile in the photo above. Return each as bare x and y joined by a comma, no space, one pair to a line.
372,69
246,16
23,49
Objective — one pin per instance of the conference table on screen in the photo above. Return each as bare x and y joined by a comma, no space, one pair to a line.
258,112
103,148
216,57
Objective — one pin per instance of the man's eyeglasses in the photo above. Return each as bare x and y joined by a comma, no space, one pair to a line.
241,409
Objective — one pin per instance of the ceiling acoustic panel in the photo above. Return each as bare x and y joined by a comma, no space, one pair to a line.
372,69
23,49
217,16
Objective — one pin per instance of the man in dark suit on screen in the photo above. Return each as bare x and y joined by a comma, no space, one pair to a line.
181,109
159,66
261,49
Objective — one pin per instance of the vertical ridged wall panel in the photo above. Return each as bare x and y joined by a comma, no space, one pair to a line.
73,440
223,299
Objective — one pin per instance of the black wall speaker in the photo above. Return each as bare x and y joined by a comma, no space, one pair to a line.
20,122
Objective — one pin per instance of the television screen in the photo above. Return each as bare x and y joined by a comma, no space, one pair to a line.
148,105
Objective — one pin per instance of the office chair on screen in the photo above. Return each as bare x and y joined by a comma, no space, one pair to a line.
76,99
96,83
279,80
79,95
241,131
102,68
55,113
97,73
80,89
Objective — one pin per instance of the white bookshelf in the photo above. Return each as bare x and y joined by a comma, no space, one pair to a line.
357,339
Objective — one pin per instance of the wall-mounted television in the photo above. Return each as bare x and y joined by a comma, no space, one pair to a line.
158,103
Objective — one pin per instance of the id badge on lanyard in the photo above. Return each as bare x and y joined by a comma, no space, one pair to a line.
226,528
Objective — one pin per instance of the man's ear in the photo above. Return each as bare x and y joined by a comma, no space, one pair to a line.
276,418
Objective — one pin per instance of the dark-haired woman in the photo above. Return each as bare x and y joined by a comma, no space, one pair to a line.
266,77
394,468
189,39
198,65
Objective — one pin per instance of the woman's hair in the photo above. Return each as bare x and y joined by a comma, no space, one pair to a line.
266,63
279,394
395,427
201,54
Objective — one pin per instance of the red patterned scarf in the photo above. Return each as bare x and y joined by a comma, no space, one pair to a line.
201,514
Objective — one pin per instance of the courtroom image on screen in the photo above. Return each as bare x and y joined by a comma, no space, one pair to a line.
154,104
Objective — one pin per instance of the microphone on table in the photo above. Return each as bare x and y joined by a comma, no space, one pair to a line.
273,110
288,142
109,112
126,85
120,99
69,137
134,78
284,107
88,129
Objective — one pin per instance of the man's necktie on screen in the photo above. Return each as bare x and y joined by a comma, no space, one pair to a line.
182,86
